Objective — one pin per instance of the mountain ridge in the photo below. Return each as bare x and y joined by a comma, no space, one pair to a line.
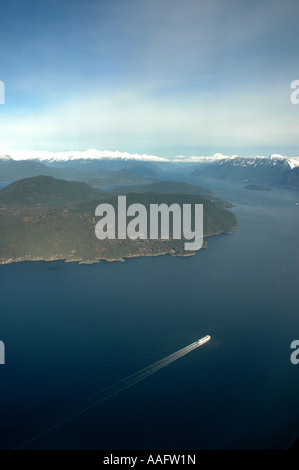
109,154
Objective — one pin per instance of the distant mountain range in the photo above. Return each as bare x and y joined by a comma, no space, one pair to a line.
94,172
102,155
105,168
275,170
90,154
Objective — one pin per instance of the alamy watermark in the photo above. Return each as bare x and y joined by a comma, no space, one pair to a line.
137,228
295,95
2,353
2,92
295,354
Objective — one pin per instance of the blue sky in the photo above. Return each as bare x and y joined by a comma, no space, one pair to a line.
162,77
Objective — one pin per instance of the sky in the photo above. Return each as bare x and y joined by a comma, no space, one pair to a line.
161,77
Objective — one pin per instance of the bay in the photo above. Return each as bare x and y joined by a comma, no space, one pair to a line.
71,330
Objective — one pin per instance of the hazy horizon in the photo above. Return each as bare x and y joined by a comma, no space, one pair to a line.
160,78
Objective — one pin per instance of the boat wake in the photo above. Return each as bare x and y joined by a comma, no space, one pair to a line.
95,399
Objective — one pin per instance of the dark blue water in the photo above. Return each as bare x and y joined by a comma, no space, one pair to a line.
71,329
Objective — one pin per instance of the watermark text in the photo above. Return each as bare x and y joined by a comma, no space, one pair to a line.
295,354
159,216
2,92
2,353
295,94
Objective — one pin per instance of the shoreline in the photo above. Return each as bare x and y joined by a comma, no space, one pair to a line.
112,260
98,260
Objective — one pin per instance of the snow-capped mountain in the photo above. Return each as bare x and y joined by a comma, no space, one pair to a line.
93,154
274,170
6,158
219,158
90,154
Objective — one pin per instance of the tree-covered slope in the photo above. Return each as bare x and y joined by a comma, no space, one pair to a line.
47,219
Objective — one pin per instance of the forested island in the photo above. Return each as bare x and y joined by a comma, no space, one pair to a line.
43,218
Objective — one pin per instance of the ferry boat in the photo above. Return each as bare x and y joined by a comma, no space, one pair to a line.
203,340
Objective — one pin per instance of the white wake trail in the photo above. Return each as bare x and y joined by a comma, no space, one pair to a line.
112,390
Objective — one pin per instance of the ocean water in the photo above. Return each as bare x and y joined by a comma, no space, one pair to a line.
70,330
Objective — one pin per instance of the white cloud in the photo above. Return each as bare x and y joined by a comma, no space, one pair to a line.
134,119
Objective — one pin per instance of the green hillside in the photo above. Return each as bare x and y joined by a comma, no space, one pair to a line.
48,191
46,219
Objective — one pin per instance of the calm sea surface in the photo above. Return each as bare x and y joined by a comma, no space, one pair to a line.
71,330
